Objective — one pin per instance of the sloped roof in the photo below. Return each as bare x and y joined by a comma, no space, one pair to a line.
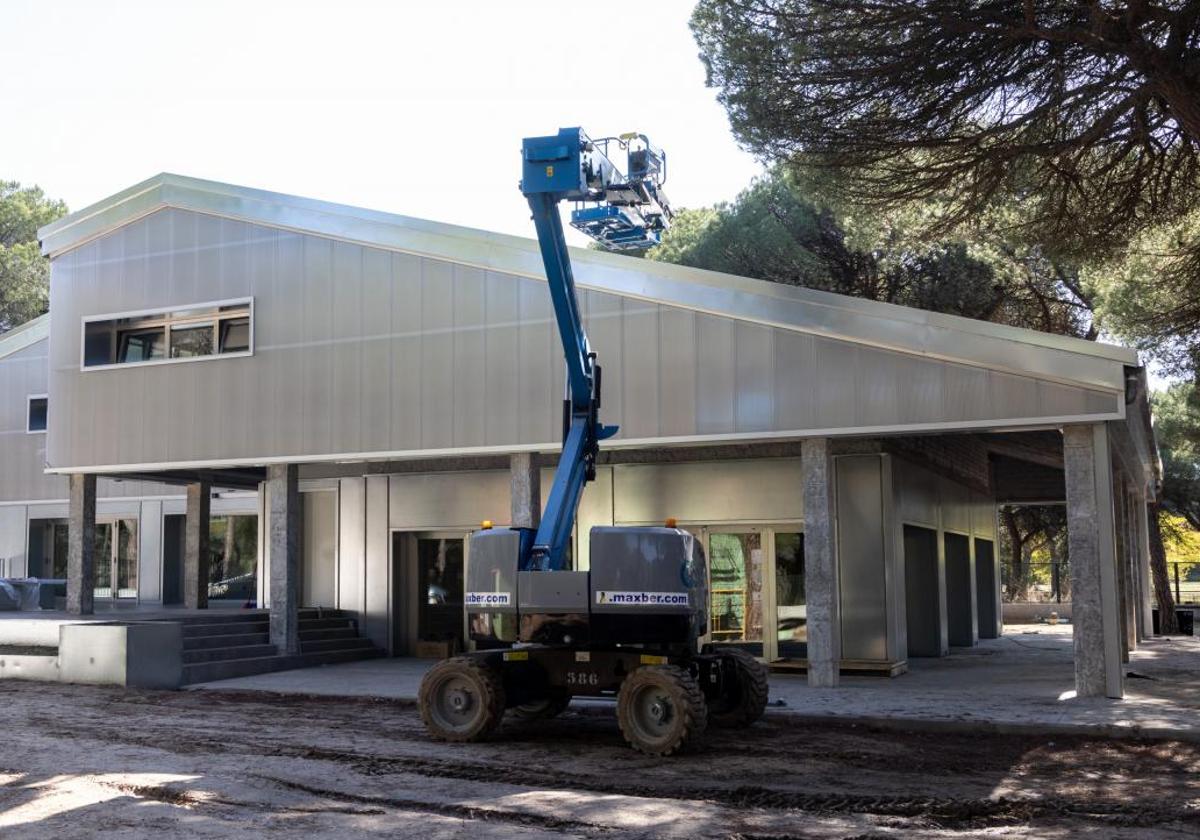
18,338
915,331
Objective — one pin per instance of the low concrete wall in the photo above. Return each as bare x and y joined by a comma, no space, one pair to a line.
36,632
1033,613
137,654
25,667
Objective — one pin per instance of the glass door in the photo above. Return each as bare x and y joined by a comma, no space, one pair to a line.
116,559
440,568
104,559
736,571
791,611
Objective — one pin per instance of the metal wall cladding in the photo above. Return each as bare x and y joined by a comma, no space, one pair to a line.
862,557
362,350
709,492
23,456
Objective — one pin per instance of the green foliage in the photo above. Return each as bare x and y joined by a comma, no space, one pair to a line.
1177,429
24,274
795,232
1071,130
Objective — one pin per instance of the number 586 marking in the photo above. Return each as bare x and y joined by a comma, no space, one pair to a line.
583,678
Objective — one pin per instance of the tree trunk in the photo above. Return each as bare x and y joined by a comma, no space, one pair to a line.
1019,578
1168,622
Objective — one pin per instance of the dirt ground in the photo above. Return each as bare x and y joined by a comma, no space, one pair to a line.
79,762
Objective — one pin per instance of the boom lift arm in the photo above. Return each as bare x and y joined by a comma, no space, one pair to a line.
626,212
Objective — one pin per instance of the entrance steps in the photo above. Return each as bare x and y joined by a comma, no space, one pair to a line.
223,646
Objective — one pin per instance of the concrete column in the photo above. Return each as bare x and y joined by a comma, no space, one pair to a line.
283,532
1145,604
81,545
195,546
821,564
1122,554
525,485
1091,541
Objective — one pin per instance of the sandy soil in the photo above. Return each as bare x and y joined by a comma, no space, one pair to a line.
79,762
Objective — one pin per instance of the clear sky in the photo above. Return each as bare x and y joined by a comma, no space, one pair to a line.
409,107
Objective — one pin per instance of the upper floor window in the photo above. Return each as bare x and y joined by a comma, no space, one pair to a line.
206,330
38,413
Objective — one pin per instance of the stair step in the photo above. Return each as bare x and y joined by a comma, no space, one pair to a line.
230,668
225,628
224,640
218,617
321,645
328,633
218,654
325,623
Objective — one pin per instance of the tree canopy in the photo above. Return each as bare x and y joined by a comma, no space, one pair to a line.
1086,115
24,273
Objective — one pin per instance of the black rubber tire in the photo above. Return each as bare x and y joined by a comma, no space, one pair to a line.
746,703
478,683
678,693
553,706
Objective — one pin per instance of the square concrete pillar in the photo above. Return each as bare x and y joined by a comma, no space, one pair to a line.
195,546
81,545
1147,586
283,534
1091,540
821,580
525,485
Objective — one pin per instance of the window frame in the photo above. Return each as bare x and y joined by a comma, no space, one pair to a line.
164,317
29,411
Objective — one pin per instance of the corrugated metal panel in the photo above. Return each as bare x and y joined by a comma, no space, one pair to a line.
361,351
861,557
917,495
708,492
956,506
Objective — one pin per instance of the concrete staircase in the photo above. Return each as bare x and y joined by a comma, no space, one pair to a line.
222,646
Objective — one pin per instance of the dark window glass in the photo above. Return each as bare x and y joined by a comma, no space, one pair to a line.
37,414
233,558
235,335
140,345
191,341
97,343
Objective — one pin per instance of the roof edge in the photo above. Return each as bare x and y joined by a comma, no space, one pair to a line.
25,335
519,255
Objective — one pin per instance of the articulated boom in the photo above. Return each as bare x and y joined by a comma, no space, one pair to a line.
621,212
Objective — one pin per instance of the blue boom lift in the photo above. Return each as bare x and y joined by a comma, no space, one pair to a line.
631,625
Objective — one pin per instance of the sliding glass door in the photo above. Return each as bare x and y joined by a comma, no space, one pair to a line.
116,559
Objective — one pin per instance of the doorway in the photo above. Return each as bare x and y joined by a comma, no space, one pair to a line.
116,559
428,577
922,592
960,584
757,597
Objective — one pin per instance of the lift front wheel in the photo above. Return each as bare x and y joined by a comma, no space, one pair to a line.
461,700
661,709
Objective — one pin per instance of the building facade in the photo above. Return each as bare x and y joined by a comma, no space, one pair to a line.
370,387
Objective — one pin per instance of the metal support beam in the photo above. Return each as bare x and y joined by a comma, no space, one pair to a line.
525,487
821,564
195,546
1145,604
283,530
1091,541
81,545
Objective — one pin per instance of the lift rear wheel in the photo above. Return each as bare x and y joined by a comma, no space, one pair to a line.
661,709
552,706
744,701
461,700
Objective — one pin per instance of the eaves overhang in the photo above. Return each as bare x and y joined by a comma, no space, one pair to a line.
883,325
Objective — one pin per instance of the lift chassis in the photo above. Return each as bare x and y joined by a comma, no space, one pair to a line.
631,625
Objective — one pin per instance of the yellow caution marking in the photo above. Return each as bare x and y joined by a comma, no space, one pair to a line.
650,659
516,655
